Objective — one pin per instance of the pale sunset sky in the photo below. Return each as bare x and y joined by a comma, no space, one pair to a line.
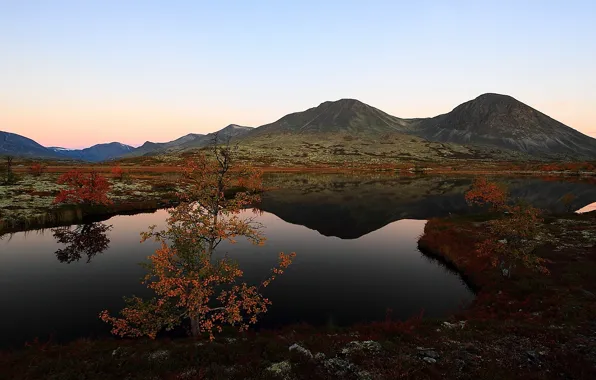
77,73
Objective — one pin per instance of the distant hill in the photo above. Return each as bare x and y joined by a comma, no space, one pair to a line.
20,146
341,116
96,153
503,122
17,145
188,142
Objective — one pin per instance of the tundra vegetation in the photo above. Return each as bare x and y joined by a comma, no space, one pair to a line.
532,318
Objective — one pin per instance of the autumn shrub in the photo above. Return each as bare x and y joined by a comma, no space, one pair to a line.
83,188
117,172
512,236
36,169
189,283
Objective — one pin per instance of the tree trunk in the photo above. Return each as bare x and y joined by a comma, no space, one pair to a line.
194,327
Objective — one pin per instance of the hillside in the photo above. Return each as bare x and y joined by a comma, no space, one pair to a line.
342,116
503,122
188,142
349,131
96,153
17,145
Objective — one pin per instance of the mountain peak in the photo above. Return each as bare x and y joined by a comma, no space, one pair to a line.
340,116
344,102
504,122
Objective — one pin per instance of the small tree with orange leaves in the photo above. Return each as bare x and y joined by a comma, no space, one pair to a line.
189,283
117,172
487,193
37,169
511,235
86,188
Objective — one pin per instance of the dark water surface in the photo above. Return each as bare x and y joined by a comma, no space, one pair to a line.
355,239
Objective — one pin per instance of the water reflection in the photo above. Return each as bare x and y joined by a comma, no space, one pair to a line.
86,239
589,208
349,207
355,238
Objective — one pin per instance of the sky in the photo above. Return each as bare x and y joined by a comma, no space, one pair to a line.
77,73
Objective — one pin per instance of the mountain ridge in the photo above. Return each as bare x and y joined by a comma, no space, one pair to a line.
490,122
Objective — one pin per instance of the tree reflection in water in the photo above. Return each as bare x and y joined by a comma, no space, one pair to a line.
85,239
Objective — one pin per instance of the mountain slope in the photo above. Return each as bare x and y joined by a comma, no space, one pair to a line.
17,145
231,131
341,116
348,131
503,122
96,153
188,142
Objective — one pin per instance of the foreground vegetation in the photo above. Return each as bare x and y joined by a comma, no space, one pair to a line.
527,326
533,318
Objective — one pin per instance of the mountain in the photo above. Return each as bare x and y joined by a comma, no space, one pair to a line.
190,141
146,149
503,122
96,153
348,131
490,127
20,146
231,131
341,116
17,145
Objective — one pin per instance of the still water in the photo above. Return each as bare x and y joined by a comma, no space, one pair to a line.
355,240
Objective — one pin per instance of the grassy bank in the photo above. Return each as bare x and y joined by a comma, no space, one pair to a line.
29,203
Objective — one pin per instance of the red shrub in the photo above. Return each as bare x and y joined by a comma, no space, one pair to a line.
91,188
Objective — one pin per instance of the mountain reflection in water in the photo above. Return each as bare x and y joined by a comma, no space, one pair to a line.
351,206
355,239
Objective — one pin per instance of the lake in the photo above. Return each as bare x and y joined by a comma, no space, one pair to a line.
355,240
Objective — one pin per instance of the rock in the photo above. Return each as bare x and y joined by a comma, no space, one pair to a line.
429,360
460,364
301,350
503,241
368,345
428,353
339,367
432,354
159,356
532,356
188,374
319,356
281,369
364,375
118,352
460,324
